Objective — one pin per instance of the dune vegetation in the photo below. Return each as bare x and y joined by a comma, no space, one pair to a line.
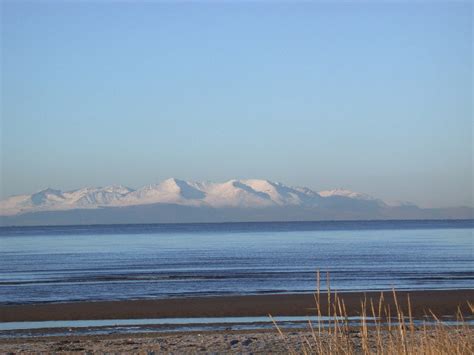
383,329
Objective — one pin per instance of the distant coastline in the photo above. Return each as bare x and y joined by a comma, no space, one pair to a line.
290,225
171,213
369,224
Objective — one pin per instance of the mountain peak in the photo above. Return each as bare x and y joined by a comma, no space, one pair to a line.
175,200
185,189
117,188
173,180
341,192
46,196
48,191
244,193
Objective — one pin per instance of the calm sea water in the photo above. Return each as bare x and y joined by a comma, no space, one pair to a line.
57,264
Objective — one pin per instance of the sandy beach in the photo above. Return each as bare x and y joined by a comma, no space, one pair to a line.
222,342
443,303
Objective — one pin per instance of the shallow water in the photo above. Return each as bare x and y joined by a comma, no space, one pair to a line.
154,321
58,264
172,325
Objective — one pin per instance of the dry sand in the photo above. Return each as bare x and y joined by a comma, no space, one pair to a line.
240,342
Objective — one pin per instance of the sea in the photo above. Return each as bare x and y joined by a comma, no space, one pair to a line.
118,262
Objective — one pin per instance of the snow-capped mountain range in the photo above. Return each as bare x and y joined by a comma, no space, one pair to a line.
252,193
175,200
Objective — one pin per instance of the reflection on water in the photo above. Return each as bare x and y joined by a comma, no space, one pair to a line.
58,264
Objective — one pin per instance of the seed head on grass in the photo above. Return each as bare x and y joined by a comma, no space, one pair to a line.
378,334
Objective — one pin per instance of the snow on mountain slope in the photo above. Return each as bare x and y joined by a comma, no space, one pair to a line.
168,191
283,195
44,199
234,193
16,204
251,193
50,199
93,196
345,193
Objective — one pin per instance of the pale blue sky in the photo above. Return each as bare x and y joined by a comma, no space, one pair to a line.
373,97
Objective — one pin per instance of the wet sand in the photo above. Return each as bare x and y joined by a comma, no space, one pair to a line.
444,302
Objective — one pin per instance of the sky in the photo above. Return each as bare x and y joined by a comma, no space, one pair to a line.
369,96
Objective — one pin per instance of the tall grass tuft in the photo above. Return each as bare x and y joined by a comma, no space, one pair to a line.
379,331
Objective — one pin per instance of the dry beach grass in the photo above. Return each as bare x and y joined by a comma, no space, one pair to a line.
381,330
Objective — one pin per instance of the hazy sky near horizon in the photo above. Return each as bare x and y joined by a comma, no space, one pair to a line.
372,97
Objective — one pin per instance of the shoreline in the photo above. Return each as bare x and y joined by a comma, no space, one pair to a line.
440,302
412,221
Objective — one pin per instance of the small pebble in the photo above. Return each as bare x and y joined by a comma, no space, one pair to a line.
247,342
